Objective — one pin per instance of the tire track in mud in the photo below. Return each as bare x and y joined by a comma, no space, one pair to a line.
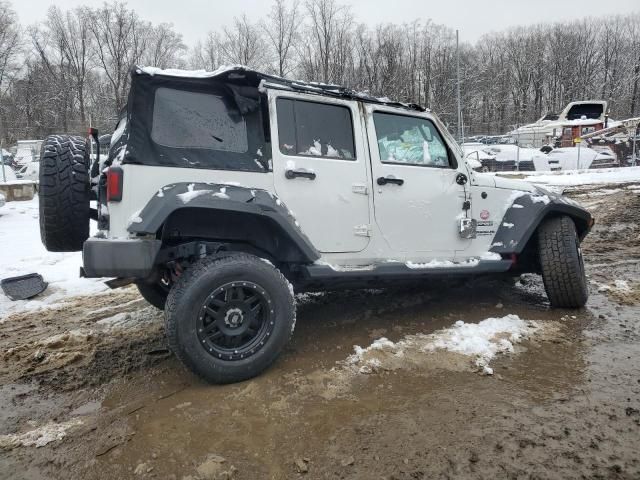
84,341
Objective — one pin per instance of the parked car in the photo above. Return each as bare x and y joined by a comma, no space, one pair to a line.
225,193
30,171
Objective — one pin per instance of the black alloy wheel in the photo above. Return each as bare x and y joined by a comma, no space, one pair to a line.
235,320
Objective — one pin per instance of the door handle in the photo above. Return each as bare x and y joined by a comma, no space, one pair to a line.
389,179
300,172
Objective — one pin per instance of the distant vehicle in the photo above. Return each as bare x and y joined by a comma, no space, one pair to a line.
587,116
3,200
31,171
27,151
7,174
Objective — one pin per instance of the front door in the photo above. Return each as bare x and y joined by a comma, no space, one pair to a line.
417,202
320,170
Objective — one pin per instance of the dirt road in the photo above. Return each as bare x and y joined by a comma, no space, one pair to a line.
92,382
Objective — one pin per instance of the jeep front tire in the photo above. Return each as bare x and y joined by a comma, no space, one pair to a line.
64,193
562,265
228,318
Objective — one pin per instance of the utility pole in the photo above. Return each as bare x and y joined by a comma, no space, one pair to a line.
518,149
460,132
635,140
4,175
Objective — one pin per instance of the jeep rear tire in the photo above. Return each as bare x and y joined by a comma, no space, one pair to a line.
228,318
64,193
154,293
562,264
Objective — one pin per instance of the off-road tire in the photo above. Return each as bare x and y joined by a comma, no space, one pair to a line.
192,290
154,293
561,262
64,193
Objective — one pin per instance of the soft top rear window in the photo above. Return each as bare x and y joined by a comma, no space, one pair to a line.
195,123
184,119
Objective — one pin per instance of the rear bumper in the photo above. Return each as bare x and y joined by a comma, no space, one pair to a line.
119,258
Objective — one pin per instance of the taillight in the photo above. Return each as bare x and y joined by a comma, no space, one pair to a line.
114,184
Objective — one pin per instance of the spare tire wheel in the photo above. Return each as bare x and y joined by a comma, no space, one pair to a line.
64,193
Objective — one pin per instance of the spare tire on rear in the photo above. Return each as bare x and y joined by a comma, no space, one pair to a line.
64,193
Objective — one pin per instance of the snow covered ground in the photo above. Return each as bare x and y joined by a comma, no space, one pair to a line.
581,177
22,252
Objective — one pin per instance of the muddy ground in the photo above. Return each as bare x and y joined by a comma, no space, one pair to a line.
92,381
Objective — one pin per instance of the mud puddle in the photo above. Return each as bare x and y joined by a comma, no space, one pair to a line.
563,404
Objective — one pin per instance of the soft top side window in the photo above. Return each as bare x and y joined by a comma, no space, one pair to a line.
408,140
314,129
184,119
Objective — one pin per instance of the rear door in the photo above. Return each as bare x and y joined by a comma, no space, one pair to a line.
417,201
319,168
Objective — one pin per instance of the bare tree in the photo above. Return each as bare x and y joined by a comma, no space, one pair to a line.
71,33
75,67
242,44
165,46
9,41
327,19
282,31
121,40
208,54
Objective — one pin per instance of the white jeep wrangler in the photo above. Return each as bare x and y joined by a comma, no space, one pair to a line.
225,192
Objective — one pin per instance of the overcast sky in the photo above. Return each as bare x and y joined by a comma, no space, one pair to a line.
194,18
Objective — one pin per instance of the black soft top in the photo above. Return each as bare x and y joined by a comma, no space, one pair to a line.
155,131
241,75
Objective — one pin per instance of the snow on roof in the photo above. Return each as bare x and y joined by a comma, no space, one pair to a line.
176,72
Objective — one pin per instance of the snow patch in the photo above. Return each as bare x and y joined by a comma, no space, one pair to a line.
479,341
39,437
471,262
129,320
175,72
190,194
118,132
586,177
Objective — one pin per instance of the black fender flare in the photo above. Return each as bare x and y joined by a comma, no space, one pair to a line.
527,211
222,197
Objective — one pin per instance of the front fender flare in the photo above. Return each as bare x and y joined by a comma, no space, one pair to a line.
523,217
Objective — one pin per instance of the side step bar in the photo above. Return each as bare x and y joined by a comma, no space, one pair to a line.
324,276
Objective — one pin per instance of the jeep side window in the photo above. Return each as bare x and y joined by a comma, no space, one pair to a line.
186,119
409,140
313,129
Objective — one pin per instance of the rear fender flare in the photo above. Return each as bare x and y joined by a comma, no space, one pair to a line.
176,197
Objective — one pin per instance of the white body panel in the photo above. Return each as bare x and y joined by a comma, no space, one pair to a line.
332,206
142,182
350,219
418,218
